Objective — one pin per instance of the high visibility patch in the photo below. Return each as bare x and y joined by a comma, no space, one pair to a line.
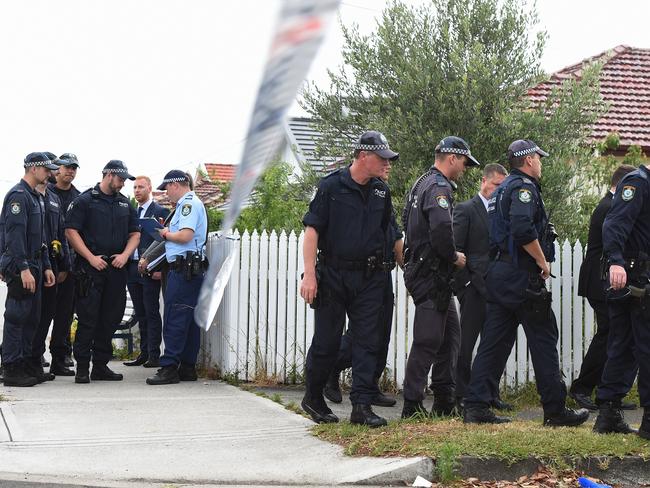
628,193
15,208
186,210
442,201
525,196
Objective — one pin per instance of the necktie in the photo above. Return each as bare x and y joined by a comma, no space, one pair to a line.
135,253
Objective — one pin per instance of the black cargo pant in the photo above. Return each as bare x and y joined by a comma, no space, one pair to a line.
359,295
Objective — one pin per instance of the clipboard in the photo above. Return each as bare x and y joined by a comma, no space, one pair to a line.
150,225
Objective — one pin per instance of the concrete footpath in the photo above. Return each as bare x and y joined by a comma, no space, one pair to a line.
131,434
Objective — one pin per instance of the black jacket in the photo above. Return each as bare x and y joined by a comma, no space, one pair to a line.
472,238
590,284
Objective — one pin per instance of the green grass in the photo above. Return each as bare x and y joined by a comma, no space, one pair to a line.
447,439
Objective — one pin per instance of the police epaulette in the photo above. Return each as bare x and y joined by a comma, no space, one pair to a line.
441,180
527,180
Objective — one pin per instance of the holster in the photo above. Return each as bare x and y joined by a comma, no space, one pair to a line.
83,281
441,291
537,307
15,285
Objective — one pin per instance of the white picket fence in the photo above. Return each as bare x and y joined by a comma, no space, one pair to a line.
263,327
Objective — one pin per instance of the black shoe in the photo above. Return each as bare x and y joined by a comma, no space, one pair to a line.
610,420
501,405
566,418
14,375
332,390
139,361
68,361
482,415
363,415
584,401
443,405
644,429
414,409
102,372
83,374
44,363
33,368
381,400
167,375
318,410
629,406
187,372
59,368
152,363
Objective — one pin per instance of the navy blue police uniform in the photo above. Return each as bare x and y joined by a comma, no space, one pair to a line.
352,222
104,223
626,243
59,253
145,294
60,345
187,264
23,247
517,294
344,360
430,253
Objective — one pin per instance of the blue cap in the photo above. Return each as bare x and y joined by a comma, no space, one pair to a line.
52,157
39,159
376,142
172,176
117,167
523,147
456,145
68,159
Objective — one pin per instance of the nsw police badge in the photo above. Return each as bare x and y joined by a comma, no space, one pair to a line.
186,209
15,208
442,202
628,193
525,196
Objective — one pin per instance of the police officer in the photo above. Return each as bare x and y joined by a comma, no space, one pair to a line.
521,247
57,248
60,346
626,245
102,228
430,259
348,223
25,266
185,252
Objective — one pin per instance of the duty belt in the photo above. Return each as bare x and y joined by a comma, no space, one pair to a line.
505,257
371,263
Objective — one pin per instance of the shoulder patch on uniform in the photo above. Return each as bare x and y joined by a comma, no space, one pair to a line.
526,180
442,201
124,204
186,209
628,193
15,208
525,196
380,193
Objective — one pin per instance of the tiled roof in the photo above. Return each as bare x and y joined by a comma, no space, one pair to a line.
210,194
221,172
305,136
624,85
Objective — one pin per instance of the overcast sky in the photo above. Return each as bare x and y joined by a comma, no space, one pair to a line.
165,84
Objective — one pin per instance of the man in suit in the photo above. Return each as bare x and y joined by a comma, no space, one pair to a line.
472,238
590,286
144,289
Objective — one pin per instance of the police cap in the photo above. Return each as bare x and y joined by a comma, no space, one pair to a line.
68,159
376,142
456,145
39,159
523,147
172,176
117,167
52,157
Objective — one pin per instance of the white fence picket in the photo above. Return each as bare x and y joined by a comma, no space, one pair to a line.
268,321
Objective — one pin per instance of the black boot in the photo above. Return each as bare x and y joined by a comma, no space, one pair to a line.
644,430
381,400
414,409
68,361
15,375
101,372
317,409
33,368
443,405
59,368
187,372
501,405
610,420
167,375
83,373
363,415
566,418
332,390
584,401
482,415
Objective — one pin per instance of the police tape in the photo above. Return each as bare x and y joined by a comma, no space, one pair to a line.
299,32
